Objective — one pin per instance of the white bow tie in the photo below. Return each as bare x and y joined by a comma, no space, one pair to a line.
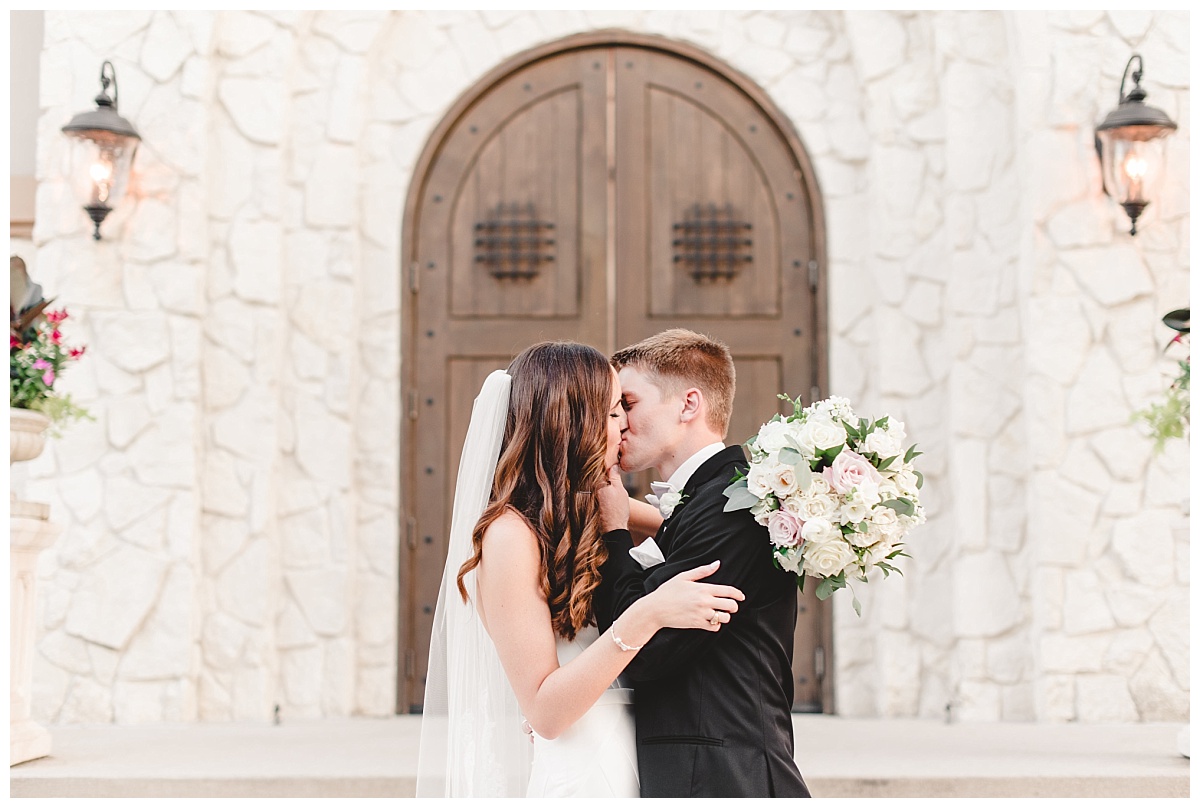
665,497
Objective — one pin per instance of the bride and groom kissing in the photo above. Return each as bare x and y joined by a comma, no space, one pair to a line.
587,645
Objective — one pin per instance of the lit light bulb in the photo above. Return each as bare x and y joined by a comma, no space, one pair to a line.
101,173
1135,167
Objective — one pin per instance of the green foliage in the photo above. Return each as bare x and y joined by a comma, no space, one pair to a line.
1169,417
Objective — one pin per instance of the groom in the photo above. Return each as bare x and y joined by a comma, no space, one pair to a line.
713,709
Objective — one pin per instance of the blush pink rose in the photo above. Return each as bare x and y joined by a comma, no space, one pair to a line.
851,470
784,527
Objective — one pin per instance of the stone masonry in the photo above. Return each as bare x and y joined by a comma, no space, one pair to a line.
230,519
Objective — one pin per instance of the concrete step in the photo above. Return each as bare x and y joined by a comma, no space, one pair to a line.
840,757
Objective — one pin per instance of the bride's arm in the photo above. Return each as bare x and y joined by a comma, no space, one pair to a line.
644,520
517,618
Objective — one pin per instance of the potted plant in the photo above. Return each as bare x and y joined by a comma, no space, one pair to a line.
37,357
1168,418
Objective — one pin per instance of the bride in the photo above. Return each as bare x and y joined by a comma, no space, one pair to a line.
514,634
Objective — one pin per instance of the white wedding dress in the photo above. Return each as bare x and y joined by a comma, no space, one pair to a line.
597,755
471,739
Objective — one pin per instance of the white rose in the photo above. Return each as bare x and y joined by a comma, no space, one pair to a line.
882,443
758,481
815,507
818,486
783,480
825,434
772,436
828,558
820,530
885,521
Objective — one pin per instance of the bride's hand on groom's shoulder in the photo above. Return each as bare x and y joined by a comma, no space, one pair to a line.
613,502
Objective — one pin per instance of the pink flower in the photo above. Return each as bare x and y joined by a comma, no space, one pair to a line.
56,317
42,363
77,352
851,470
13,342
48,378
56,336
785,527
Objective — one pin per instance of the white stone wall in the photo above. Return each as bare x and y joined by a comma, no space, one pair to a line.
231,517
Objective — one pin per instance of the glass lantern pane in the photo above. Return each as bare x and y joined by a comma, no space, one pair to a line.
99,169
1132,168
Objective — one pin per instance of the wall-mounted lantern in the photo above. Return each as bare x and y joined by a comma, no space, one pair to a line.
1130,142
103,145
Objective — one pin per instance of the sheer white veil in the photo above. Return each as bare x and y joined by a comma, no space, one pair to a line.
471,739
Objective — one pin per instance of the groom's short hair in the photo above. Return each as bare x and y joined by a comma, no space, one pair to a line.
677,359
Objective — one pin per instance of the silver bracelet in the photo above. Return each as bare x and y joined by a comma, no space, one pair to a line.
612,630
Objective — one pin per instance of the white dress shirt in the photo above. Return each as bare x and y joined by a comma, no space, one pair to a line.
648,553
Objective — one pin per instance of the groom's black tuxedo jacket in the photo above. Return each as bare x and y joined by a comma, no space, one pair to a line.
713,708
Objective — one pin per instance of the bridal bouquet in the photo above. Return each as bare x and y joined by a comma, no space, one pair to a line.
837,493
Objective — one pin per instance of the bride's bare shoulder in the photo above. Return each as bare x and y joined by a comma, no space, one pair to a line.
510,537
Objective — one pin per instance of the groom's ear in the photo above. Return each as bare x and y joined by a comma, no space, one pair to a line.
691,405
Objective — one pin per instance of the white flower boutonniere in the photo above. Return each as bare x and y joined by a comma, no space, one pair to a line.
668,502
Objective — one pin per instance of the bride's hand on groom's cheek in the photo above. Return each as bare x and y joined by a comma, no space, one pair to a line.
613,502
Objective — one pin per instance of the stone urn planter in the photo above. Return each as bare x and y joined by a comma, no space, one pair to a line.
27,434
30,532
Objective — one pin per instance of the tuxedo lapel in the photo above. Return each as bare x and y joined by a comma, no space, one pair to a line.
708,470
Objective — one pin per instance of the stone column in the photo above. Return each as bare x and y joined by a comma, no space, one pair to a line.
30,532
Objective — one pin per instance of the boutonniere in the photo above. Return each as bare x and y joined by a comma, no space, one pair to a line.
668,502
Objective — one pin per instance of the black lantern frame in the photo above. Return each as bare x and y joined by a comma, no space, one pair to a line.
1128,142
111,144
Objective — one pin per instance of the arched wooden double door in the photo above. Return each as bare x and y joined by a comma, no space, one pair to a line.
601,189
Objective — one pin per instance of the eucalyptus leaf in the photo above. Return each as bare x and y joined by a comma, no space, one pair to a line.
825,589
900,505
789,456
739,499
857,606
911,453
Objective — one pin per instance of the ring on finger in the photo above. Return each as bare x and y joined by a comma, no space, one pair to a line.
716,618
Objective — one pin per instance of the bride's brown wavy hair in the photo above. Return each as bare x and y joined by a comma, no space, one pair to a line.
551,460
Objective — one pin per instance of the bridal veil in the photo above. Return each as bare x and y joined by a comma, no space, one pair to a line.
471,739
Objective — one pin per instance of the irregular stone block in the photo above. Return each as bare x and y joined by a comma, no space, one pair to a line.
990,605
256,106
240,587
87,703
1085,609
1155,693
1101,698
1055,698
1143,544
1170,627
323,596
115,596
